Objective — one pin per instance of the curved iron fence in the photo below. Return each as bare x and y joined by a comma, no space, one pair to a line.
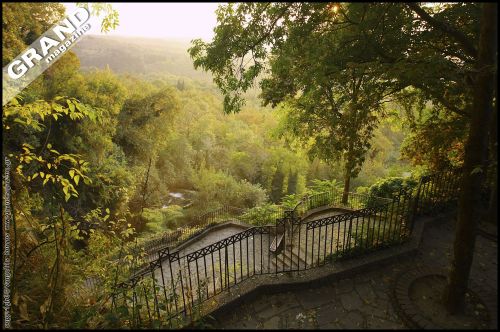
196,226
335,198
175,285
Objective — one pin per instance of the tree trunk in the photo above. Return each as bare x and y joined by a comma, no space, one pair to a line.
145,187
454,294
492,209
493,204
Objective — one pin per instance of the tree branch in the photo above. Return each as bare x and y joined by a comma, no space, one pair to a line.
271,28
442,100
459,36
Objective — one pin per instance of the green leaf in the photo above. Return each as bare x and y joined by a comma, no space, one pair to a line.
477,169
19,121
71,105
123,310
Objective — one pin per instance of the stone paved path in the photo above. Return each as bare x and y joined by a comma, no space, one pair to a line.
362,301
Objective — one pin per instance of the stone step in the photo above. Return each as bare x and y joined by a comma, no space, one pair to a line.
280,261
294,254
286,262
297,250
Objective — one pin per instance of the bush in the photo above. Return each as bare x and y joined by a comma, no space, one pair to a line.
173,216
160,220
154,220
290,201
390,187
321,186
362,190
216,188
262,215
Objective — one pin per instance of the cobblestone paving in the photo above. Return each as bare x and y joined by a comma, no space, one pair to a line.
361,301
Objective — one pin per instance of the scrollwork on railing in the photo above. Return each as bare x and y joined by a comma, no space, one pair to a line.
173,284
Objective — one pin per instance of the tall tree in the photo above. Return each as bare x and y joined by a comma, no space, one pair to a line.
293,179
318,63
23,23
474,160
432,48
277,184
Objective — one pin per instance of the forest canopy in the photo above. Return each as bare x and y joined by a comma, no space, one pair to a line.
110,147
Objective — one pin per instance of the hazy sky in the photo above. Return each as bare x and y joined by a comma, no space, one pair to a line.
161,20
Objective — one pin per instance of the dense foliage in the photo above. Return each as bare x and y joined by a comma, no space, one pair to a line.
109,151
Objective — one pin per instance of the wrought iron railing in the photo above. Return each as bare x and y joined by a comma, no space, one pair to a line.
438,191
174,286
196,226
331,199
173,238
335,198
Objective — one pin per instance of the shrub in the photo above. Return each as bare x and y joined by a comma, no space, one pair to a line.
216,188
262,215
290,201
160,220
390,187
320,186
155,222
173,215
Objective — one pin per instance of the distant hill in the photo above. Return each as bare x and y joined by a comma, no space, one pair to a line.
140,56
151,59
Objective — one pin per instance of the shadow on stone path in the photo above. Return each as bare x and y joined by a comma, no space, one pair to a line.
363,300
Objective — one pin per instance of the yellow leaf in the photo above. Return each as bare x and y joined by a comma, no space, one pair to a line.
42,175
76,178
43,307
23,311
49,165
72,173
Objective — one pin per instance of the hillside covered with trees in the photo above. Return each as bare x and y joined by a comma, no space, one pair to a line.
125,139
